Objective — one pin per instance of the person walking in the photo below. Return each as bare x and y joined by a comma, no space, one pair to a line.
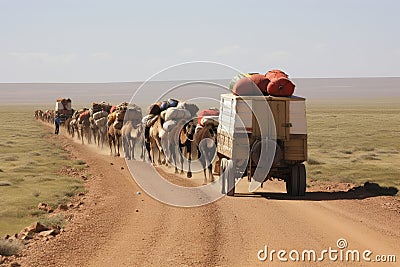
57,123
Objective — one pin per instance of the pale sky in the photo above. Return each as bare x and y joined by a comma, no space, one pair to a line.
114,41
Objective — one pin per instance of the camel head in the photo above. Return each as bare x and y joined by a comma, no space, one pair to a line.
189,129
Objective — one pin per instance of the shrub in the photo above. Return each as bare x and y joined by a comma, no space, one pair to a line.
9,248
56,221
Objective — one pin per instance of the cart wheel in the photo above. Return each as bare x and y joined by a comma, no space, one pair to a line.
302,179
294,181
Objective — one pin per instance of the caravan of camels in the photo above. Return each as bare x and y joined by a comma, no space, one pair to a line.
168,131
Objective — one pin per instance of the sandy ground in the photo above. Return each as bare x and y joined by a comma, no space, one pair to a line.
118,227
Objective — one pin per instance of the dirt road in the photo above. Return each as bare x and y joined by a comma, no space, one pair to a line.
119,227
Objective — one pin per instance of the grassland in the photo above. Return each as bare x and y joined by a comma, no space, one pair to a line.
349,141
29,170
354,141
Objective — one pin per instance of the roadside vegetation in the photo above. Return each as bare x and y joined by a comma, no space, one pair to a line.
30,161
354,141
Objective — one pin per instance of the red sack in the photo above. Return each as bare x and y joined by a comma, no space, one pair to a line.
113,108
261,81
207,112
275,74
280,87
245,87
84,115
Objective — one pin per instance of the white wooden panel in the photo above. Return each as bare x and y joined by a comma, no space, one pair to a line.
297,117
59,106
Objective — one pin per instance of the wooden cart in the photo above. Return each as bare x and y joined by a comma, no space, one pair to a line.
241,134
63,109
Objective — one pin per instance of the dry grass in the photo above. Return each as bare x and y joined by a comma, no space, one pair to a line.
30,164
57,221
357,141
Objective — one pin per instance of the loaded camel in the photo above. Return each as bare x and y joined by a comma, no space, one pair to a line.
131,130
205,140
181,137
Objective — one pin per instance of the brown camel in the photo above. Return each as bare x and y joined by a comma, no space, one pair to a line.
131,134
73,125
94,131
181,137
84,127
155,141
205,140
101,134
67,125
114,139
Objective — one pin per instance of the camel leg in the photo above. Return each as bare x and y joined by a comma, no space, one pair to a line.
82,135
173,156
133,144
103,139
189,157
94,136
97,138
118,144
130,148
152,145
159,156
143,153
160,152
181,157
148,149
165,153
110,141
125,147
211,153
142,150
115,146
89,136
203,164
210,172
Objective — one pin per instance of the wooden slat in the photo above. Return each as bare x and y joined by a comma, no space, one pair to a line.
296,148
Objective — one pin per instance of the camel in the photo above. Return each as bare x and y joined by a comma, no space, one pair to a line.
181,137
145,142
155,141
73,127
37,113
114,139
131,134
94,131
40,114
84,127
49,116
67,125
205,140
102,135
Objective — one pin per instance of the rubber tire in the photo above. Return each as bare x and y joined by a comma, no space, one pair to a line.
288,185
294,181
302,179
